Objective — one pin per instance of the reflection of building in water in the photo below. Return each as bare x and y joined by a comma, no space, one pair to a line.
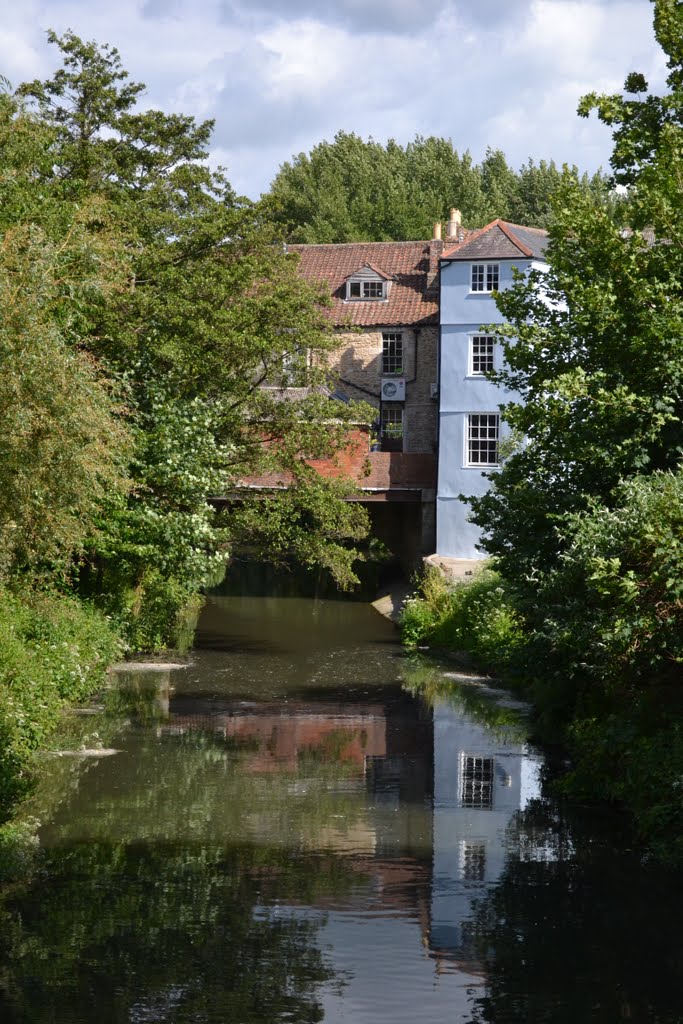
279,736
440,791
479,784
390,742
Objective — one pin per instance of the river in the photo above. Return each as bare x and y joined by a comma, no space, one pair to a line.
284,830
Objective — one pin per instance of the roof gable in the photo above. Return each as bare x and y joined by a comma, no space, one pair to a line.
370,272
500,240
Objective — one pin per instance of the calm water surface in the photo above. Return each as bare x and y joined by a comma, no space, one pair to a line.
288,834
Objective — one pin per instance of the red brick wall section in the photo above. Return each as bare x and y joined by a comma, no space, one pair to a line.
369,470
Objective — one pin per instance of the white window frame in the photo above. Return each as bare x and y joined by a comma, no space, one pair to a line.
472,859
364,283
482,277
398,421
477,779
468,424
471,372
390,338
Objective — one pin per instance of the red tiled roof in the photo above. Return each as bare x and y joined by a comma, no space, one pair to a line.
500,240
410,301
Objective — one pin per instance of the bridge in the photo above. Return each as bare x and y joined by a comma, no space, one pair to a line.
397,488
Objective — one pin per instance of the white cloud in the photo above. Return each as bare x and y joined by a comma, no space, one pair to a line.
280,75
384,17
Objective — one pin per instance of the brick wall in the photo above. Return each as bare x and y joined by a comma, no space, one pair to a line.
370,470
358,363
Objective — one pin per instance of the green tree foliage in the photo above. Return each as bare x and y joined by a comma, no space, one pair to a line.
352,190
211,310
63,447
53,650
585,516
595,346
613,603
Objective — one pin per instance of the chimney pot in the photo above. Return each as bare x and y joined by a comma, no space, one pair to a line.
453,227
436,234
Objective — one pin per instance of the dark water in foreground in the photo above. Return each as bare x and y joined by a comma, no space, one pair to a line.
287,834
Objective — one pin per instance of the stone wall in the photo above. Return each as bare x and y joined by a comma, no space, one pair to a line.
358,364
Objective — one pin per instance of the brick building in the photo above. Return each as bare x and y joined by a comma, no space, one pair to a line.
385,308
415,343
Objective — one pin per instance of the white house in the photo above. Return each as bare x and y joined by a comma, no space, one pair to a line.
479,264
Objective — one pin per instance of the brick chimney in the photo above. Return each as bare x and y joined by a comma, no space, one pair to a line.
434,250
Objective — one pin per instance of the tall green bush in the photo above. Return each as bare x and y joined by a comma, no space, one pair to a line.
612,607
475,616
53,650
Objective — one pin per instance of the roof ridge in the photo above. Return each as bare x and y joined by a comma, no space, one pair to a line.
475,233
503,226
527,227
513,233
320,245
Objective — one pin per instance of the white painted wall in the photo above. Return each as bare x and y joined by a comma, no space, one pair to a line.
462,314
452,894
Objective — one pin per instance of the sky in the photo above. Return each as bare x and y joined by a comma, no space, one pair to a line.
280,76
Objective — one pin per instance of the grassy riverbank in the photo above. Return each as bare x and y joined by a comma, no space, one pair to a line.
54,650
623,735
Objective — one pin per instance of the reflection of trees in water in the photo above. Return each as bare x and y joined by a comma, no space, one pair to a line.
424,677
122,933
165,893
576,930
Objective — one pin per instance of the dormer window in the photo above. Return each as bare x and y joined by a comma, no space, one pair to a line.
366,289
367,285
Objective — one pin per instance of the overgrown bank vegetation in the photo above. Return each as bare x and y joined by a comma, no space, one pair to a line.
55,650
585,519
142,305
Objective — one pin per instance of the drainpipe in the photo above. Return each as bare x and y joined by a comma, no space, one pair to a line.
416,331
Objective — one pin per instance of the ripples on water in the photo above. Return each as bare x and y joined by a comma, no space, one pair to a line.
288,834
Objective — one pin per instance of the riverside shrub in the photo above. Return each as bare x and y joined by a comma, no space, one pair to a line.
609,632
612,609
477,616
53,649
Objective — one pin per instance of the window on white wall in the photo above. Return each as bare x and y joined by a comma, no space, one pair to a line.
483,432
485,277
472,860
476,782
481,353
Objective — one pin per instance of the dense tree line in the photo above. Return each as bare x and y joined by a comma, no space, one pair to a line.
352,190
585,517
142,306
